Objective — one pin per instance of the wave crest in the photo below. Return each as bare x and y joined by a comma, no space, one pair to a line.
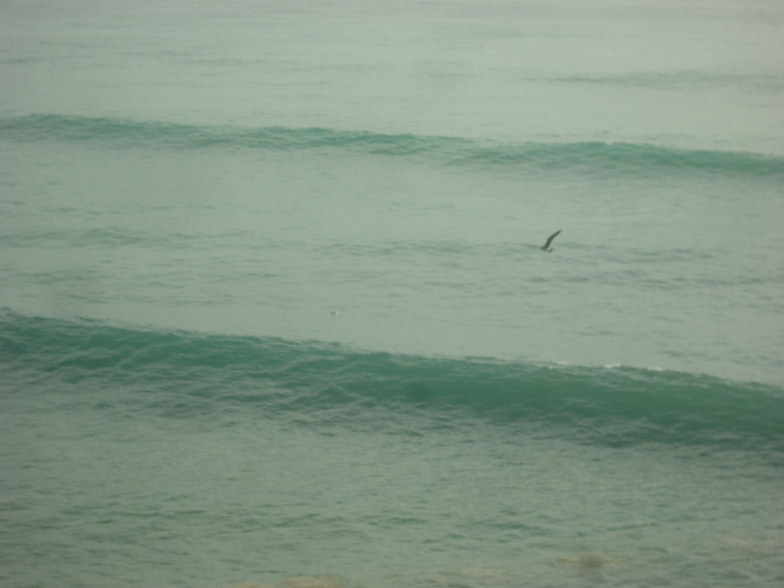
318,383
582,157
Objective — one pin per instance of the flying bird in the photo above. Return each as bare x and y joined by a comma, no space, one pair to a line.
546,247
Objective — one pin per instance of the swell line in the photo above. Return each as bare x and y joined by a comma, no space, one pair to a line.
186,371
584,156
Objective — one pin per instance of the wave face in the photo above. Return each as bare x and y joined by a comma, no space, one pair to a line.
622,159
180,374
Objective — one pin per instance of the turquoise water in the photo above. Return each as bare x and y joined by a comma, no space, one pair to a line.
268,308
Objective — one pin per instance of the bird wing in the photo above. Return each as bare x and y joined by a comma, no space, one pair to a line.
551,237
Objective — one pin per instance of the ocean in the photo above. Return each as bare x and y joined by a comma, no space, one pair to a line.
273,311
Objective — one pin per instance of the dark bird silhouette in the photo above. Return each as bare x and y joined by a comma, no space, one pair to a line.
546,247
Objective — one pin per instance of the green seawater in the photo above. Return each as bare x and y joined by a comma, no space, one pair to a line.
179,458
271,303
